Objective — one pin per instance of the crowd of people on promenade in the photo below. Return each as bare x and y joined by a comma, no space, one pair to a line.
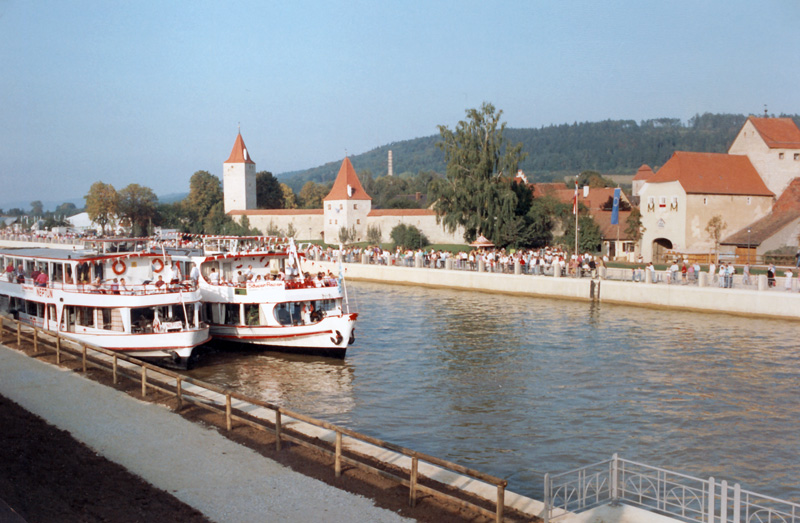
547,260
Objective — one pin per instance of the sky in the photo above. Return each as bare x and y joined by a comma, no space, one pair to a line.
150,92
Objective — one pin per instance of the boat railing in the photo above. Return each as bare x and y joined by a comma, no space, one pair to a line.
292,284
110,288
423,474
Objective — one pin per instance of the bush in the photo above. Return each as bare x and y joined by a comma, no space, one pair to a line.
408,236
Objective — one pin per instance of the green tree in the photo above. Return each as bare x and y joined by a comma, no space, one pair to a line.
101,204
269,194
633,225
37,209
66,209
590,238
374,234
474,193
138,206
408,236
205,192
347,236
289,198
311,195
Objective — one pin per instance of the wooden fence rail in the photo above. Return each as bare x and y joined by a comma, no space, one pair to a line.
155,378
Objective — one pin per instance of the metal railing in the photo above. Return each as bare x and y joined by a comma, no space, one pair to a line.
172,383
659,490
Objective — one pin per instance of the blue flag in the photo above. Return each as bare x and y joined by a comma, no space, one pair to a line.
615,209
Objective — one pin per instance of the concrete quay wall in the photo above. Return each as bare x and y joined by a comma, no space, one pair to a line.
772,303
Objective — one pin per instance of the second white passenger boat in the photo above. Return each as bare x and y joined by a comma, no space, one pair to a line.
259,291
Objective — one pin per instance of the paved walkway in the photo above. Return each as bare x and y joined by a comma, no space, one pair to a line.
222,479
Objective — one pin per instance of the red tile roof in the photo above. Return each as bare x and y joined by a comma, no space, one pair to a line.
347,178
609,231
644,173
276,212
712,173
402,212
777,133
239,153
597,195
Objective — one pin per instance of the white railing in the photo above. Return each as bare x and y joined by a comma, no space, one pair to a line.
673,494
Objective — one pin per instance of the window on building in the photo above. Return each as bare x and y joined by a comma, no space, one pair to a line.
780,156
797,156
355,206
329,207
341,206
662,201
358,222
705,201
749,200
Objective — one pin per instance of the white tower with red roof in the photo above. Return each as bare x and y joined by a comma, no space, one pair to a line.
239,179
347,205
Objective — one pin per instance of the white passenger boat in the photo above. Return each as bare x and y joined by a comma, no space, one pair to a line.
259,291
108,299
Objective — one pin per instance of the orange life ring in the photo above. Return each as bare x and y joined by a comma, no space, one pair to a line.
160,265
115,269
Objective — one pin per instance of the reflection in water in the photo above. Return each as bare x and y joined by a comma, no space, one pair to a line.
510,385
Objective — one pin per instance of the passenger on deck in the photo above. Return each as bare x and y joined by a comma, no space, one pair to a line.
194,275
41,280
213,278
282,315
123,289
306,313
20,274
160,285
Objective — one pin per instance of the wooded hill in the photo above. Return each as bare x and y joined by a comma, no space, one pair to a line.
608,147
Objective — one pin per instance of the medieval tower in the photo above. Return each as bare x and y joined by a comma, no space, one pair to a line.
346,206
239,179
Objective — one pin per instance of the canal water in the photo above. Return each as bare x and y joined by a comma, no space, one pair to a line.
512,385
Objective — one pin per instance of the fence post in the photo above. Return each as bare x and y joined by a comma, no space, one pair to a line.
180,394
412,494
737,503
114,368
228,410
547,501
35,340
277,430
144,381
19,335
83,346
614,480
501,501
58,348
723,501
338,460
2,329
711,500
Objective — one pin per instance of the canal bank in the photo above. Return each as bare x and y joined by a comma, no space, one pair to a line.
744,302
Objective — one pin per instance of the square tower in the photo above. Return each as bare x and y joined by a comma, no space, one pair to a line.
239,179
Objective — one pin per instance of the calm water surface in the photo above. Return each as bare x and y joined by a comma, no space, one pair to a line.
511,385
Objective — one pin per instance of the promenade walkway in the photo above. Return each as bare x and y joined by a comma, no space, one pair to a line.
222,479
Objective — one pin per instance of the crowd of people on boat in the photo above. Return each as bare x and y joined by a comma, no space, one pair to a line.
290,278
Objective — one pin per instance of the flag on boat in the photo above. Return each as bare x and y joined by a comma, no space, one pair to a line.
615,208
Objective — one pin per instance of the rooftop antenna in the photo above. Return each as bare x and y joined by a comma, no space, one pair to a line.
765,110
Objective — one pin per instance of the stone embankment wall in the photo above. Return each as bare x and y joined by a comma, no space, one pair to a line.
774,303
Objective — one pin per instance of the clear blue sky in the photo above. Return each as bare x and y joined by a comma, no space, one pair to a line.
150,92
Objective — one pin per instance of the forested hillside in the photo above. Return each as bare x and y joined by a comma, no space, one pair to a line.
609,147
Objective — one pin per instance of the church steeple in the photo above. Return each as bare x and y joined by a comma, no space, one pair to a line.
239,152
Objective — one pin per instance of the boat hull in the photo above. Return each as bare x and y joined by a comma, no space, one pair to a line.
329,337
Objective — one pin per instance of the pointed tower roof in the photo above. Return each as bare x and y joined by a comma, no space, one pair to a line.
644,173
347,185
239,153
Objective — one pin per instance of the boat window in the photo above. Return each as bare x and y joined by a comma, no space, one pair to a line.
282,314
51,312
251,314
231,314
142,320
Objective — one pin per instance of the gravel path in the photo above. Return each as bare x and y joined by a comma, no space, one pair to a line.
220,478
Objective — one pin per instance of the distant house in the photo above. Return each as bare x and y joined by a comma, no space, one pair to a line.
773,147
616,243
678,201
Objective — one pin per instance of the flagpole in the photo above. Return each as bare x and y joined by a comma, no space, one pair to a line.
575,209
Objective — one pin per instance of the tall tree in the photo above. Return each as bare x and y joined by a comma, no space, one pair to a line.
269,194
101,204
205,191
311,195
138,206
66,209
474,193
289,198
37,208
714,229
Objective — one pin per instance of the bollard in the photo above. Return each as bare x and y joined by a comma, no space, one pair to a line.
556,270
481,265
763,284
702,281
363,258
648,276
418,262
517,267
448,264
603,272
